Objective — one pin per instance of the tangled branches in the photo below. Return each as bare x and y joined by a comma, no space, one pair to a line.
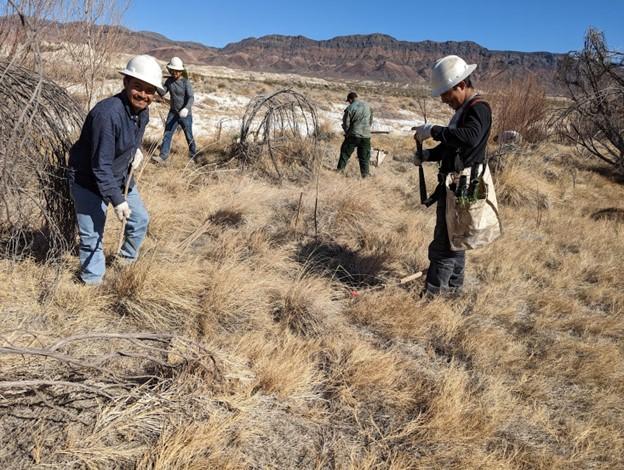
38,123
103,388
594,120
279,133
100,375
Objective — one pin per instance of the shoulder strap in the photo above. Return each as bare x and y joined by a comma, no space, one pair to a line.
471,104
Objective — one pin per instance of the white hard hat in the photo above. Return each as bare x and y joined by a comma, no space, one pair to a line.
448,72
175,64
145,68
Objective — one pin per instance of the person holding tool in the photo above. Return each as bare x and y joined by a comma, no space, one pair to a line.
182,98
100,166
461,155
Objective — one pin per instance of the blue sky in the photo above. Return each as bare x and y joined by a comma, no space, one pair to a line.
521,25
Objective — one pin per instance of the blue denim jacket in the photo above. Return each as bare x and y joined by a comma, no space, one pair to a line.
110,136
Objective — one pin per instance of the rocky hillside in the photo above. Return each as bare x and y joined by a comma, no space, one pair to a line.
359,57
371,57
375,56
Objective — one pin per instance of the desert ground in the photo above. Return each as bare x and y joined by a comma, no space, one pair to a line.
284,338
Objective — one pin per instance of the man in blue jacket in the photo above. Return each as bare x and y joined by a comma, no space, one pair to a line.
99,165
181,100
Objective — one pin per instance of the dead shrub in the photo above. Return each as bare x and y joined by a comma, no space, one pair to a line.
279,134
594,120
521,106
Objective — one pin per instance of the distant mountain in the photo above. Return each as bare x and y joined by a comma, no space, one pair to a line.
378,57
363,57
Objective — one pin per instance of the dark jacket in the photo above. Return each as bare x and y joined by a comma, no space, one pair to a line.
465,145
180,93
110,136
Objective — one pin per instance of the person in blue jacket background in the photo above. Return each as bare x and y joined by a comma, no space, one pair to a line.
181,101
100,162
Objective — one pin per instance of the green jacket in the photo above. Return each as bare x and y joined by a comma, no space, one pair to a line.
357,119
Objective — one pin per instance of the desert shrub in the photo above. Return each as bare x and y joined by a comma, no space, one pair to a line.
594,120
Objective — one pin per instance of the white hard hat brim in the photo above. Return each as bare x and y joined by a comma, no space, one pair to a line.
446,87
173,67
129,73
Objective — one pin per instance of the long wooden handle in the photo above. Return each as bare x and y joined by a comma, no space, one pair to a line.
124,221
422,183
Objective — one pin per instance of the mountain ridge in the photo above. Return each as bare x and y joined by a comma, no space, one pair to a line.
375,56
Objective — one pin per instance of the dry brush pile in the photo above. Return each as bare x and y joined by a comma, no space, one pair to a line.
279,134
38,124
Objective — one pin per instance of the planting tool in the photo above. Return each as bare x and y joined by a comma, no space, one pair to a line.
124,221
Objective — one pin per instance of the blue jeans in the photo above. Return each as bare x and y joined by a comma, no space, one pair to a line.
173,120
91,217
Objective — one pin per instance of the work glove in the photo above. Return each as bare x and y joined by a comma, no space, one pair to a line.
122,211
183,112
138,158
423,131
425,157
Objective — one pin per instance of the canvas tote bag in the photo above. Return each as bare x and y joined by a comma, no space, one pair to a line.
476,224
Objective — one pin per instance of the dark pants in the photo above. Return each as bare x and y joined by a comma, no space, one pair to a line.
363,146
446,267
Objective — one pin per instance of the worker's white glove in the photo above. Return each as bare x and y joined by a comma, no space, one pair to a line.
423,131
425,157
138,158
122,211
183,112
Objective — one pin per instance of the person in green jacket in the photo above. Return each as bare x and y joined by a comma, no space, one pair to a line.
356,123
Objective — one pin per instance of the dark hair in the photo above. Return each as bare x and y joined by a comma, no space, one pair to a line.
352,95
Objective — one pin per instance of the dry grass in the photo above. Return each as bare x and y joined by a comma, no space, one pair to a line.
523,107
321,360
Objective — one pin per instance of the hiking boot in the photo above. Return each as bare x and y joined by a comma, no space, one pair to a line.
159,160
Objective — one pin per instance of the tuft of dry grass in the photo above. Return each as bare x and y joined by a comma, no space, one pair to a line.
517,187
232,299
522,107
195,446
155,295
306,306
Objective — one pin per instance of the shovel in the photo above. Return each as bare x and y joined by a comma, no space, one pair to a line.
125,220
